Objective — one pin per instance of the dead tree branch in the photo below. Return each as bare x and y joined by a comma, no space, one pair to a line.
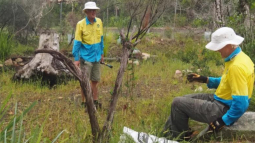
85,85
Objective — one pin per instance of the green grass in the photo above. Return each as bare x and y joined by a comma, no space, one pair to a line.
57,115
6,44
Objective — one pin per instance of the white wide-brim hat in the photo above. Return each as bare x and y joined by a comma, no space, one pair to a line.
90,5
222,37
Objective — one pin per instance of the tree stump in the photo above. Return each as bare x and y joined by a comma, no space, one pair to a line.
43,65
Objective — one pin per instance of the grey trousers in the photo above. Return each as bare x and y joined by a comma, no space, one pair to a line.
200,107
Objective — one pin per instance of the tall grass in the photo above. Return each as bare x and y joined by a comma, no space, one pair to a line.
13,129
6,44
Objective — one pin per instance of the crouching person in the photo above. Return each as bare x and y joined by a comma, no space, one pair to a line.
233,90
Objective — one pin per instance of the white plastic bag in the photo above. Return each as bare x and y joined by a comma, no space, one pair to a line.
141,137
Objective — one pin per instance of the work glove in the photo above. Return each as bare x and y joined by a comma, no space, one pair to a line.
196,77
216,125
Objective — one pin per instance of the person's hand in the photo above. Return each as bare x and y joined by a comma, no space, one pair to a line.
77,63
102,59
196,77
216,125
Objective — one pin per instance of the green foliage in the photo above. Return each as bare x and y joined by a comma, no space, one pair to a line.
119,22
253,5
181,20
22,50
108,39
9,131
6,45
199,22
197,55
236,22
13,132
168,32
186,2
252,103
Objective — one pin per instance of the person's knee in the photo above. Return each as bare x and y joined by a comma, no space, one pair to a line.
176,102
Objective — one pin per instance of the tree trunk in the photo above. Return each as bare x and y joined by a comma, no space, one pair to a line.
219,19
124,60
86,89
244,10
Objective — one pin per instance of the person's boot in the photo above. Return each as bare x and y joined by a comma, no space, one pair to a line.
97,104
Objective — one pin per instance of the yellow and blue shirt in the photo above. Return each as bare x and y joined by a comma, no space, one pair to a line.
235,86
88,42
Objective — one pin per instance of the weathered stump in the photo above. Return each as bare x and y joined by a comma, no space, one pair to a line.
43,64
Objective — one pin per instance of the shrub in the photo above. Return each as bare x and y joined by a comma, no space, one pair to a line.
181,20
196,54
236,22
199,22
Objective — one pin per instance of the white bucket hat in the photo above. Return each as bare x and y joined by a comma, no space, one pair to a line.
90,5
222,37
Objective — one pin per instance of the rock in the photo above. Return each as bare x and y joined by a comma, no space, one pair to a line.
187,71
21,64
178,74
136,51
199,89
18,60
137,54
244,123
8,62
243,127
199,70
135,62
15,63
1,65
145,56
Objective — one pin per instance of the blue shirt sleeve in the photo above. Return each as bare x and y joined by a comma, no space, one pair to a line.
213,82
76,50
239,106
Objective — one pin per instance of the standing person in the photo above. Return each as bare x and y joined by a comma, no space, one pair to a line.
233,90
88,47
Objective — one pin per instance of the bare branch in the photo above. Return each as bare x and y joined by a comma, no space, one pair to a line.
132,16
85,86
30,19
132,33
118,82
